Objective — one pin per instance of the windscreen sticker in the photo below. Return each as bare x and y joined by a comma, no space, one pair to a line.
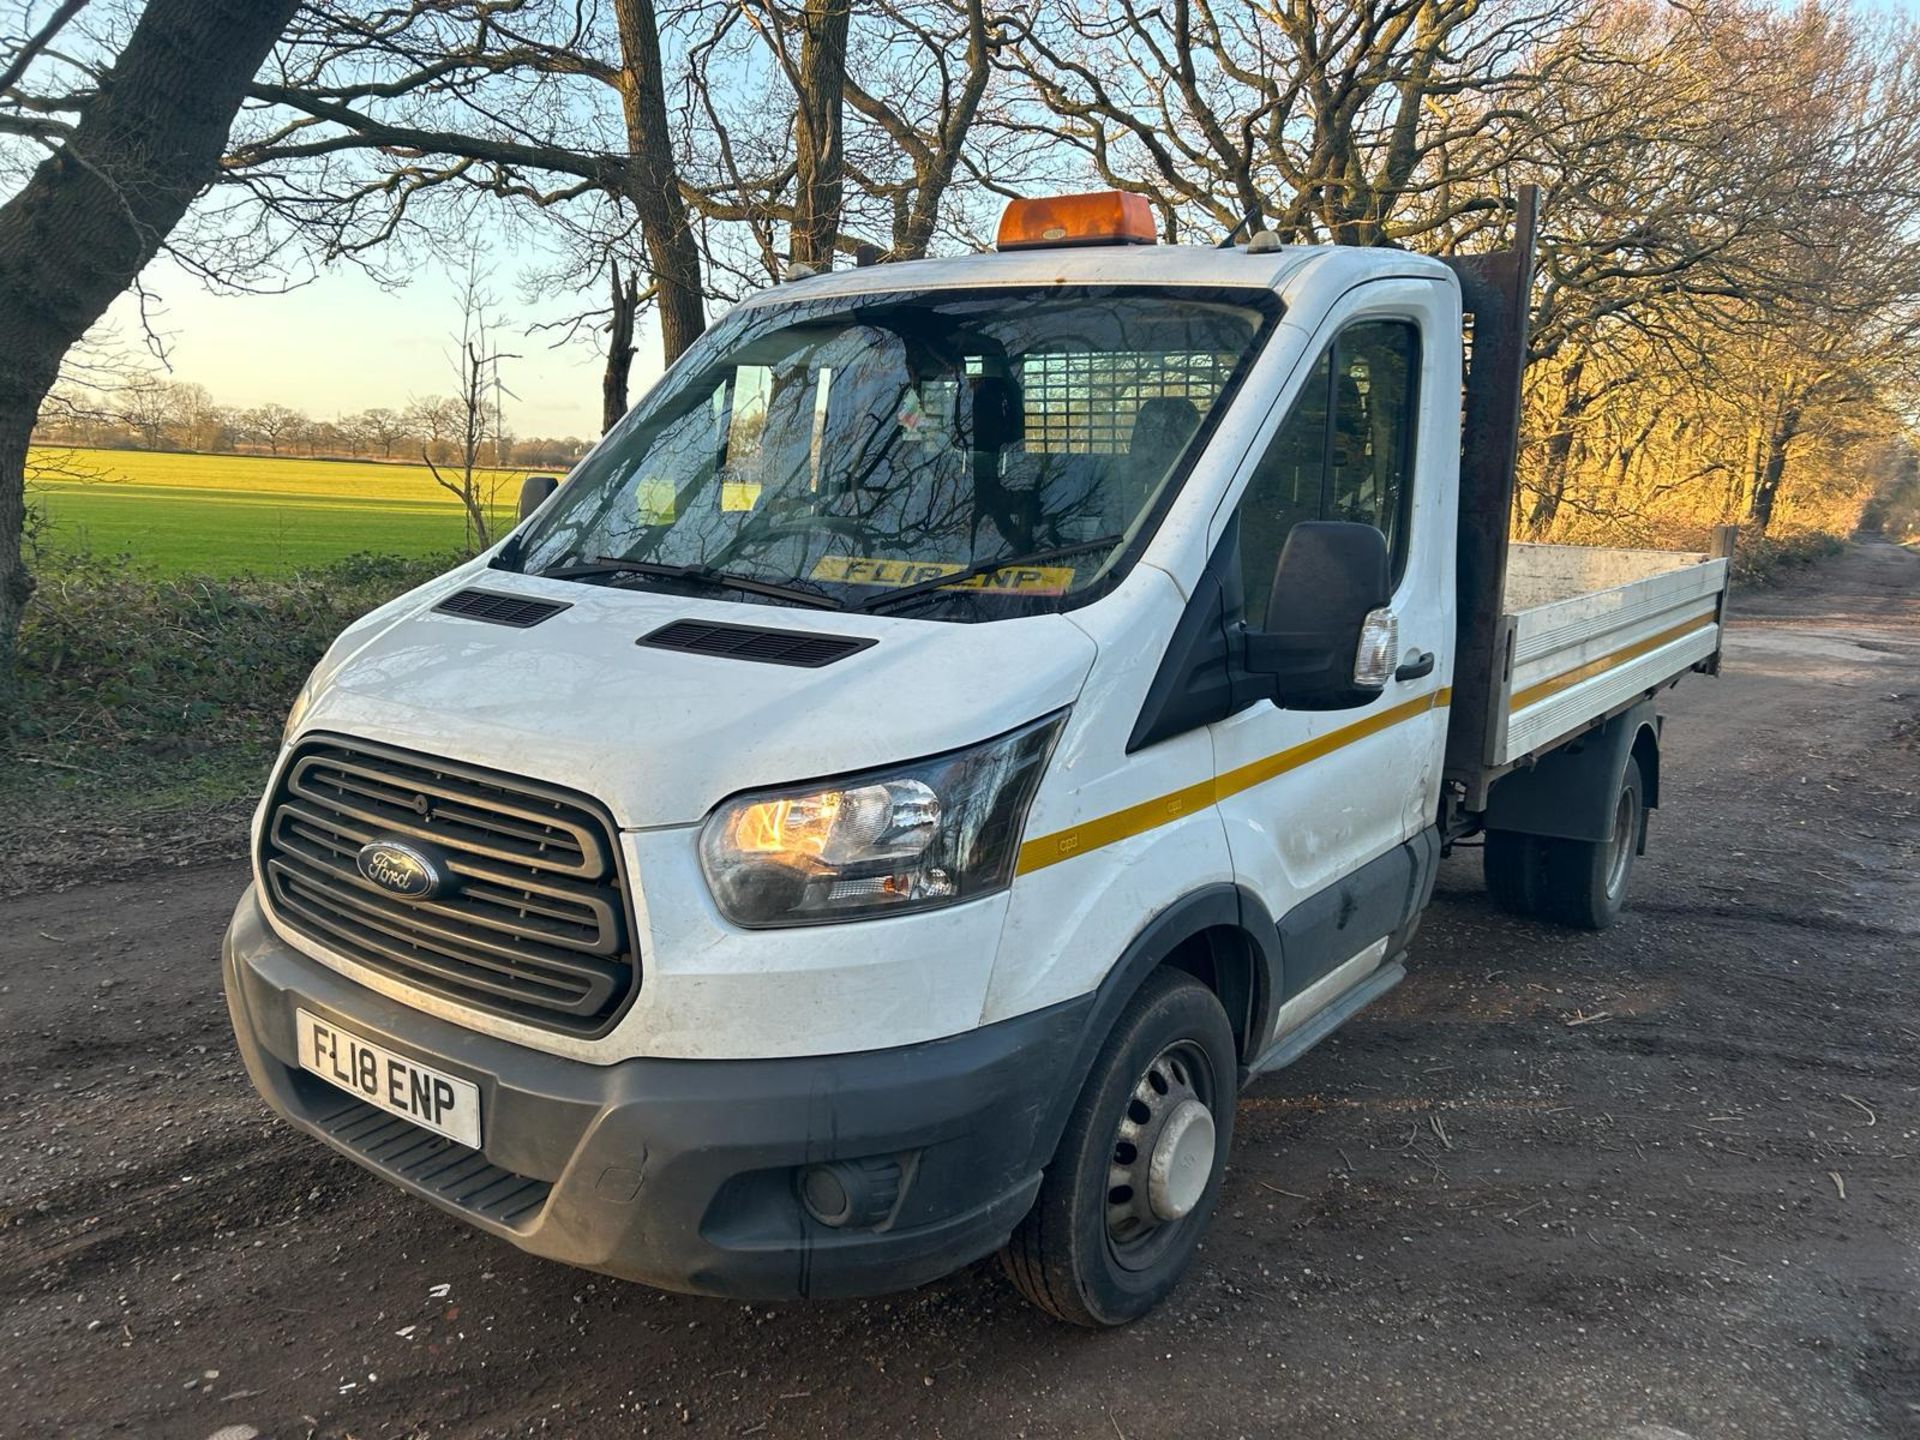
656,501
739,494
1020,579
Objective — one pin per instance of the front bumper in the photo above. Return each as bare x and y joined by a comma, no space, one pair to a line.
683,1173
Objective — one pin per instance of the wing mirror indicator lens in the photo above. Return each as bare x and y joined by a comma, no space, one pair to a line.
1378,652
919,836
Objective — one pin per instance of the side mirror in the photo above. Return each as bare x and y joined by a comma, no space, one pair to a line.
1329,642
534,491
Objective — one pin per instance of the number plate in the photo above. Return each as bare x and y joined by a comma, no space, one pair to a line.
444,1104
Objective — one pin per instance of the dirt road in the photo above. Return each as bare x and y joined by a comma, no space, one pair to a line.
1661,1182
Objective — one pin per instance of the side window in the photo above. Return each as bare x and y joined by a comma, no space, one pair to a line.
1372,471
1344,452
1285,489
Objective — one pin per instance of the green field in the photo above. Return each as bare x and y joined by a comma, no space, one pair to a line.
234,514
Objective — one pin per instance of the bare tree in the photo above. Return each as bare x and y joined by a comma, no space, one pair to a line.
540,103
147,407
1339,123
381,429
434,420
696,153
1729,284
818,76
594,257
477,413
622,314
922,82
196,421
274,426
653,183
128,147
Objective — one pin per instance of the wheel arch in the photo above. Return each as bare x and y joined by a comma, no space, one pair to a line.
1569,792
1221,935
1646,751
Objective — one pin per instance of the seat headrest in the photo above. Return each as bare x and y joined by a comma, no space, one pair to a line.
1161,429
999,413
1172,416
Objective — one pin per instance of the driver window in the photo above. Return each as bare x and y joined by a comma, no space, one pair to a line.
1344,452
744,477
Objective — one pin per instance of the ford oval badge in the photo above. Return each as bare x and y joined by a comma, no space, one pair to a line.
400,868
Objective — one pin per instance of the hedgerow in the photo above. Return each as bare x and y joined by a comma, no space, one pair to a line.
118,657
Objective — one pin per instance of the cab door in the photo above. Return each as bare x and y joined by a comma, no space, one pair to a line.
1329,814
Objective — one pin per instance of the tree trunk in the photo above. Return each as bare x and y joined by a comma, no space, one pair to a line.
95,212
1740,478
1553,475
934,178
1766,489
619,368
818,164
653,180
16,429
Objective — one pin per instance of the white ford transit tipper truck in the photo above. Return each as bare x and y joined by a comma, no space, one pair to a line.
968,719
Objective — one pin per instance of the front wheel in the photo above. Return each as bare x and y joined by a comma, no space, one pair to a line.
1133,1184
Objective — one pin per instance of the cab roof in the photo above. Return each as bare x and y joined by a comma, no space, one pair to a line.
1182,265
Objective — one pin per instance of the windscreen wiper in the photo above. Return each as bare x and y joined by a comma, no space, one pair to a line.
901,593
701,574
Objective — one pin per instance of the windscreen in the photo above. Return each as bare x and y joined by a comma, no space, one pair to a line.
848,447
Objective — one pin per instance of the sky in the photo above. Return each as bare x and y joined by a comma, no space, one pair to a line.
343,343
340,343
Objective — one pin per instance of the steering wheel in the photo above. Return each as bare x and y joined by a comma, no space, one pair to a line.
839,524
776,528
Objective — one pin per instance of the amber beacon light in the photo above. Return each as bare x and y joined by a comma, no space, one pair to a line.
1105,217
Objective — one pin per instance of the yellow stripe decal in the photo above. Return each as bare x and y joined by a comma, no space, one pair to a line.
1533,694
1046,850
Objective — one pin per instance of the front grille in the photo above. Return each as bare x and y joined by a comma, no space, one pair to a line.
534,924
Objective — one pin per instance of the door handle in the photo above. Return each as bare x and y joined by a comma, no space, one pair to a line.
1421,664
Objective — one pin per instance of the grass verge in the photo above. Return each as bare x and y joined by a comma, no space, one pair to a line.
1768,559
153,704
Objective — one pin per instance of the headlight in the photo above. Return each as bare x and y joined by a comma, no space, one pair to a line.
932,833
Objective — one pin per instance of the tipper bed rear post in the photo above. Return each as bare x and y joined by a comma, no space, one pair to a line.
1495,292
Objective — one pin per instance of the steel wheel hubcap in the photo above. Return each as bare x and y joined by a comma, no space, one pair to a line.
1181,1161
1163,1151
1621,847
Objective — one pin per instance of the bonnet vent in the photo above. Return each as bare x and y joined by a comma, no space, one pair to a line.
519,611
750,642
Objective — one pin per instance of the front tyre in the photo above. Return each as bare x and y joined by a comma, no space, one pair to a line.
1133,1184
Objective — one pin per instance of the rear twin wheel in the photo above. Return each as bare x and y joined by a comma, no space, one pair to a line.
1133,1184
1582,883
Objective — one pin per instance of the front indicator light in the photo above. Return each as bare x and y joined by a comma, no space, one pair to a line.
298,710
922,835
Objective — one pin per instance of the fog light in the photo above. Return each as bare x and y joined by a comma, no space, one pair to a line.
851,1193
